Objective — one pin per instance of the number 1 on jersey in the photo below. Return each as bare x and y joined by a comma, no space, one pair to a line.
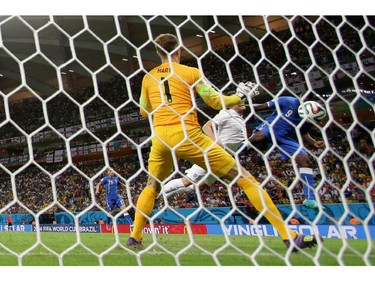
167,90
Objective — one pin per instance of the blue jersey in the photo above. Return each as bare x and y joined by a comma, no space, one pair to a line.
283,122
113,199
110,184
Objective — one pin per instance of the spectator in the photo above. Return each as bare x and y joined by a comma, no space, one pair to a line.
10,222
354,221
293,220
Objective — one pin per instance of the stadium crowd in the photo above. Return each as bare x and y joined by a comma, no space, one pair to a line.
73,185
73,192
28,113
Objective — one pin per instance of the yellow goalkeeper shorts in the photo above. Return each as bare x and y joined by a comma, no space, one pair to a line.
192,145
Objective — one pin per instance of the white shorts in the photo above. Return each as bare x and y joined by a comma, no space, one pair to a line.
196,173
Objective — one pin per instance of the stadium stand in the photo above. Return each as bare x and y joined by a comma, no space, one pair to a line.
73,192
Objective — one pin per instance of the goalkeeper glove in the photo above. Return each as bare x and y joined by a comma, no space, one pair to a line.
247,90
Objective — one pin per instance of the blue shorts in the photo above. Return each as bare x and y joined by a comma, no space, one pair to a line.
286,142
114,201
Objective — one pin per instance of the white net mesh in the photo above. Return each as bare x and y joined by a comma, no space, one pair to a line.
70,89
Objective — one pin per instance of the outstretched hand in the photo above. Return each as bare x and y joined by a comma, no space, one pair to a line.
247,90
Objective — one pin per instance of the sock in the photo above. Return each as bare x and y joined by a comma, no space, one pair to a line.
181,190
128,218
307,177
145,204
255,194
173,185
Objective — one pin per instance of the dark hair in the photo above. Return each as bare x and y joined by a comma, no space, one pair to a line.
166,44
229,93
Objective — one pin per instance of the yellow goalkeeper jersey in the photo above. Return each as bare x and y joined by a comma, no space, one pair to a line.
166,88
168,91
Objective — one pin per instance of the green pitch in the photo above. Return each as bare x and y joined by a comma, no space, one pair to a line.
203,250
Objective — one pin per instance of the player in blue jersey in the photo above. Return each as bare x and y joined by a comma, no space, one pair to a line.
283,125
113,199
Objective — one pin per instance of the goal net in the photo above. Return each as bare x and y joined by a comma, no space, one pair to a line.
69,109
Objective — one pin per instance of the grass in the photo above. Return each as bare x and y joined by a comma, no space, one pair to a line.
170,250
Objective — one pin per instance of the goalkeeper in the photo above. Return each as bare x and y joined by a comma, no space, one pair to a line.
167,99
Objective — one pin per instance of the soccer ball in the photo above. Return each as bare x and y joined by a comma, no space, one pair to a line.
312,111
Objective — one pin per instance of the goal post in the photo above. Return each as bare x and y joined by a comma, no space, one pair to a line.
69,109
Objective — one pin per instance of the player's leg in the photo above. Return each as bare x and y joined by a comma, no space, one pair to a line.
185,184
111,204
121,204
177,186
160,164
192,150
222,164
145,204
128,219
260,138
262,201
290,147
307,176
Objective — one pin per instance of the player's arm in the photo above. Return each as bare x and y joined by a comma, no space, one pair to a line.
97,188
121,182
144,101
261,106
209,128
214,99
311,141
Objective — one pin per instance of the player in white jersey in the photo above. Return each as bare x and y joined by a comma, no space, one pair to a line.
229,130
